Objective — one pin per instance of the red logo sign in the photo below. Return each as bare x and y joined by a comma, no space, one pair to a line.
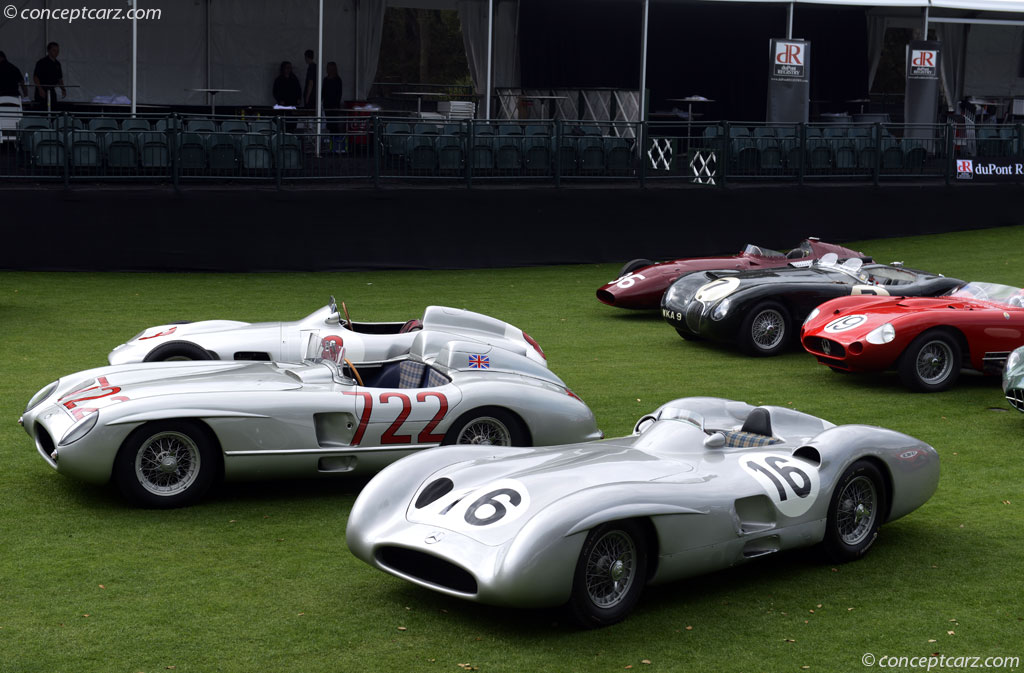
788,53
923,59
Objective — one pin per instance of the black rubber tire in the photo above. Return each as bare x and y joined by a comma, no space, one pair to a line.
633,265
518,436
835,547
177,350
582,607
941,342
745,337
205,453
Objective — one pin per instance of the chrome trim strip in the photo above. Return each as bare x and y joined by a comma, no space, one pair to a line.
344,449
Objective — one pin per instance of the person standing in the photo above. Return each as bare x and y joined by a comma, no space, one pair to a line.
47,76
286,87
11,83
309,91
331,93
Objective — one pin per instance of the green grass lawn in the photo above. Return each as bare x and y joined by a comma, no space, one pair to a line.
258,577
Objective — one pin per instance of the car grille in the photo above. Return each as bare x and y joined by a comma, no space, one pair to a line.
693,314
1015,396
827,347
427,568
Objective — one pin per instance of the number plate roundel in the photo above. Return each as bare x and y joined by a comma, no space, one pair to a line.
792,484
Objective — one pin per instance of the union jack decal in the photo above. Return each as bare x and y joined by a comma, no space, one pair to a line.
479,362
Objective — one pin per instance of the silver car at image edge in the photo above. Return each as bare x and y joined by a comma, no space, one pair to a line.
165,431
702,484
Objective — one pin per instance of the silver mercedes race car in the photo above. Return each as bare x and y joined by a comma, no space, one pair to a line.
286,341
165,431
703,484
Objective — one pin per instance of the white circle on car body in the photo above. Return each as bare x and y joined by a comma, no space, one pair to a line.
495,503
717,289
792,484
845,323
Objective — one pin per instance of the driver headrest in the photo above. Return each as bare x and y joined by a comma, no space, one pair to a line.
759,422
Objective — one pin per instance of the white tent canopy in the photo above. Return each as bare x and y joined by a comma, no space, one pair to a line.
239,44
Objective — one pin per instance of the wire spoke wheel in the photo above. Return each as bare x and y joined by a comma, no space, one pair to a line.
768,329
611,569
485,430
857,511
167,463
934,362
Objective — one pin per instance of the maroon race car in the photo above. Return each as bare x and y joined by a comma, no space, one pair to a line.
928,340
642,282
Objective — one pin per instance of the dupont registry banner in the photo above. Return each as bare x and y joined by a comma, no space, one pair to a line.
789,80
922,96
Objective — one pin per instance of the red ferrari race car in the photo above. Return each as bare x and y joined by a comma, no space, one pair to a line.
641,282
927,339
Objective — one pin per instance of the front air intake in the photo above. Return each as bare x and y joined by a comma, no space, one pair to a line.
427,568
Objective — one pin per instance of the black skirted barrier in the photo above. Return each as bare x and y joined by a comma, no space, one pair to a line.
241,229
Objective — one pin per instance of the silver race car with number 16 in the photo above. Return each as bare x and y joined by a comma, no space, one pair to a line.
702,484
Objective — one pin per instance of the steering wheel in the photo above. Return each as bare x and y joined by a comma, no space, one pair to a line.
348,321
355,372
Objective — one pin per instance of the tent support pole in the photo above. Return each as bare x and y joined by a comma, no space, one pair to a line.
319,75
924,34
643,63
789,21
490,50
135,55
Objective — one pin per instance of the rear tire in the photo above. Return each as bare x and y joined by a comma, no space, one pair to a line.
489,426
931,363
177,350
610,574
166,464
859,503
633,265
766,330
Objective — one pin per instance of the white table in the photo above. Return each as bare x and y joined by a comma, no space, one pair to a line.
690,100
419,96
55,86
214,92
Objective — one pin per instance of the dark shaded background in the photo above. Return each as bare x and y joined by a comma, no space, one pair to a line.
717,50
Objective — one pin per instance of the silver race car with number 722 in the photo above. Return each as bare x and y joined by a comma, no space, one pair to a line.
165,431
702,484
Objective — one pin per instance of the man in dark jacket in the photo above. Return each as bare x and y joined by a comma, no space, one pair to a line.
48,75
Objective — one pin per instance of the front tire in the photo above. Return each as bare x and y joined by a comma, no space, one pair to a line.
177,350
488,426
166,464
931,362
610,574
765,330
859,503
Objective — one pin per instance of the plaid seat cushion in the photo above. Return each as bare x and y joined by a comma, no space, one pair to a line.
410,374
434,378
741,439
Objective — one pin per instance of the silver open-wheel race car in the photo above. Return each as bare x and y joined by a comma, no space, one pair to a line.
702,484
164,432
286,341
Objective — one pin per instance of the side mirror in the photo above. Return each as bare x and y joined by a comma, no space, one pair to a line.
714,440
